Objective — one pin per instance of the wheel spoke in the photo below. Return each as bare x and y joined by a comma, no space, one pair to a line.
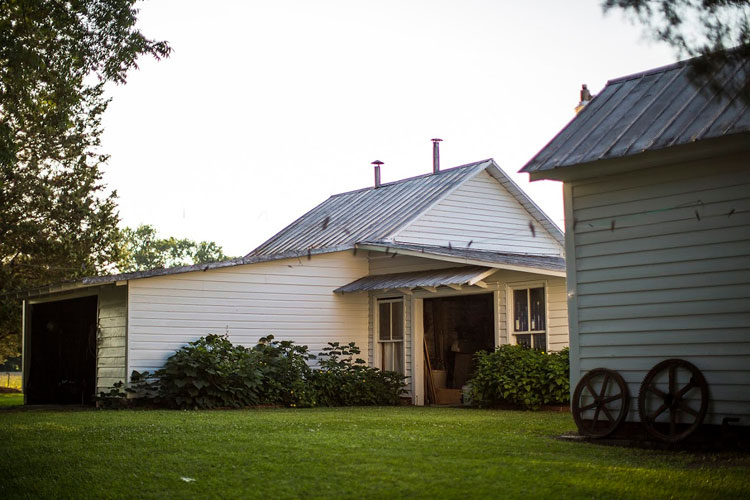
685,389
658,412
672,421
604,386
656,391
587,407
596,416
591,389
612,398
684,407
607,413
672,378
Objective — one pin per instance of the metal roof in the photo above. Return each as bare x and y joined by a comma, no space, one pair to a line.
367,214
541,262
649,111
434,278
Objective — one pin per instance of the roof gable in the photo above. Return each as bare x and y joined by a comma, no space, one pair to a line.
370,214
649,111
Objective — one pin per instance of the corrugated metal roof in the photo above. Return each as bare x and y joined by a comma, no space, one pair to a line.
509,259
370,214
434,278
649,111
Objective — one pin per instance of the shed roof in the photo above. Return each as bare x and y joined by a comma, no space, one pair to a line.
433,278
649,111
376,214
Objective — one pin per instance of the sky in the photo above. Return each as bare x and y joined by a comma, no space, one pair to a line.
266,108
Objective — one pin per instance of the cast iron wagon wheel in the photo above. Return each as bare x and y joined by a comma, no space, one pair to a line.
683,419
607,414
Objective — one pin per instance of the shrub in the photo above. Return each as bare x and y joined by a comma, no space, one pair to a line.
212,373
514,374
342,379
208,373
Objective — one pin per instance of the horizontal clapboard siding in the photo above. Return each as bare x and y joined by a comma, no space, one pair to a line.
557,307
111,355
291,299
662,260
482,213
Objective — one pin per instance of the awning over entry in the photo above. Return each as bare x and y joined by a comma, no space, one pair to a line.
455,277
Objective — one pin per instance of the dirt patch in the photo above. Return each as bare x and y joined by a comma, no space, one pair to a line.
9,390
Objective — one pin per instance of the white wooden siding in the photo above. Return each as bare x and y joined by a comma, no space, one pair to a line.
291,299
557,307
662,265
381,263
111,349
482,212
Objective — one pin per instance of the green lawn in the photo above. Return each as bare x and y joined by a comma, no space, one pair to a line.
10,399
338,453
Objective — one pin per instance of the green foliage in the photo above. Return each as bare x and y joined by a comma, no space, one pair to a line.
58,222
345,380
141,249
707,28
514,374
208,373
115,397
214,373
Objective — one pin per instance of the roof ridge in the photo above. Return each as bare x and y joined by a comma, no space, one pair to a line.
415,177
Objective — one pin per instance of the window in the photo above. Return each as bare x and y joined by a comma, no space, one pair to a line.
529,317
391,334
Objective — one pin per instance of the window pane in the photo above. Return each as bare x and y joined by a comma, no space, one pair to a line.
392,356
520,311
384,321
524,340
537,309
540,342
397,320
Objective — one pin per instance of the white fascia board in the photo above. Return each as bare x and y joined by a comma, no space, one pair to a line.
461,260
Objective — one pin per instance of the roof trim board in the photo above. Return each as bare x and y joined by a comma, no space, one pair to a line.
427,280
555,265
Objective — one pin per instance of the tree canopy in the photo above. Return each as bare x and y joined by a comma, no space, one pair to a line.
717,30
57,219
142,249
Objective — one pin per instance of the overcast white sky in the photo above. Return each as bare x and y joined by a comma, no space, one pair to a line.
266,108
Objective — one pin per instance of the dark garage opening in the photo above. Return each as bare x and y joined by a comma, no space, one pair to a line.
62,352
454,329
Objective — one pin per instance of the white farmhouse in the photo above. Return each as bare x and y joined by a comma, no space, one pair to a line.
656,173
445,264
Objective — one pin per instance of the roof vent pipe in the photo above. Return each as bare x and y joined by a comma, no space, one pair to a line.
377,164
436,155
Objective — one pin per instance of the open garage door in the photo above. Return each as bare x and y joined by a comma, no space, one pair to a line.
62,352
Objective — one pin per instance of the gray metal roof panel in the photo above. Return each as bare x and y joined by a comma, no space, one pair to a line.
648,111
431,278
367,214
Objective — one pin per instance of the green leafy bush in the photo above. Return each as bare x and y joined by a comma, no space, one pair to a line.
514,374
343,379
208,373
213,373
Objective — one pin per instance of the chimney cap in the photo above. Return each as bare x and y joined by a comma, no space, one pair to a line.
436,140
377,162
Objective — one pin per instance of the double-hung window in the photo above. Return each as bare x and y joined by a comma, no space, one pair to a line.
391,334
529,319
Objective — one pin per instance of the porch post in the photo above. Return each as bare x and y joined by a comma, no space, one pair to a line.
417,355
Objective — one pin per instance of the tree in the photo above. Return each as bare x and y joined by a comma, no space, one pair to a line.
57,220
717,30
142,249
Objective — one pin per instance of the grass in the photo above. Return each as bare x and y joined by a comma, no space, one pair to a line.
402,452
10,379
10,399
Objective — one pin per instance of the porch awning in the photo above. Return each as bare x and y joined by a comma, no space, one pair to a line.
455,277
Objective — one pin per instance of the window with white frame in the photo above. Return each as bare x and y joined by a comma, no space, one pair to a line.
391,334
529,316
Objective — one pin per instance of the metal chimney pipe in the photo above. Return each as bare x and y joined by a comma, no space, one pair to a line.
436,155
377,164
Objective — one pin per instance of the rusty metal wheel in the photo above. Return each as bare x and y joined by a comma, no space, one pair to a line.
673,400
600,402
